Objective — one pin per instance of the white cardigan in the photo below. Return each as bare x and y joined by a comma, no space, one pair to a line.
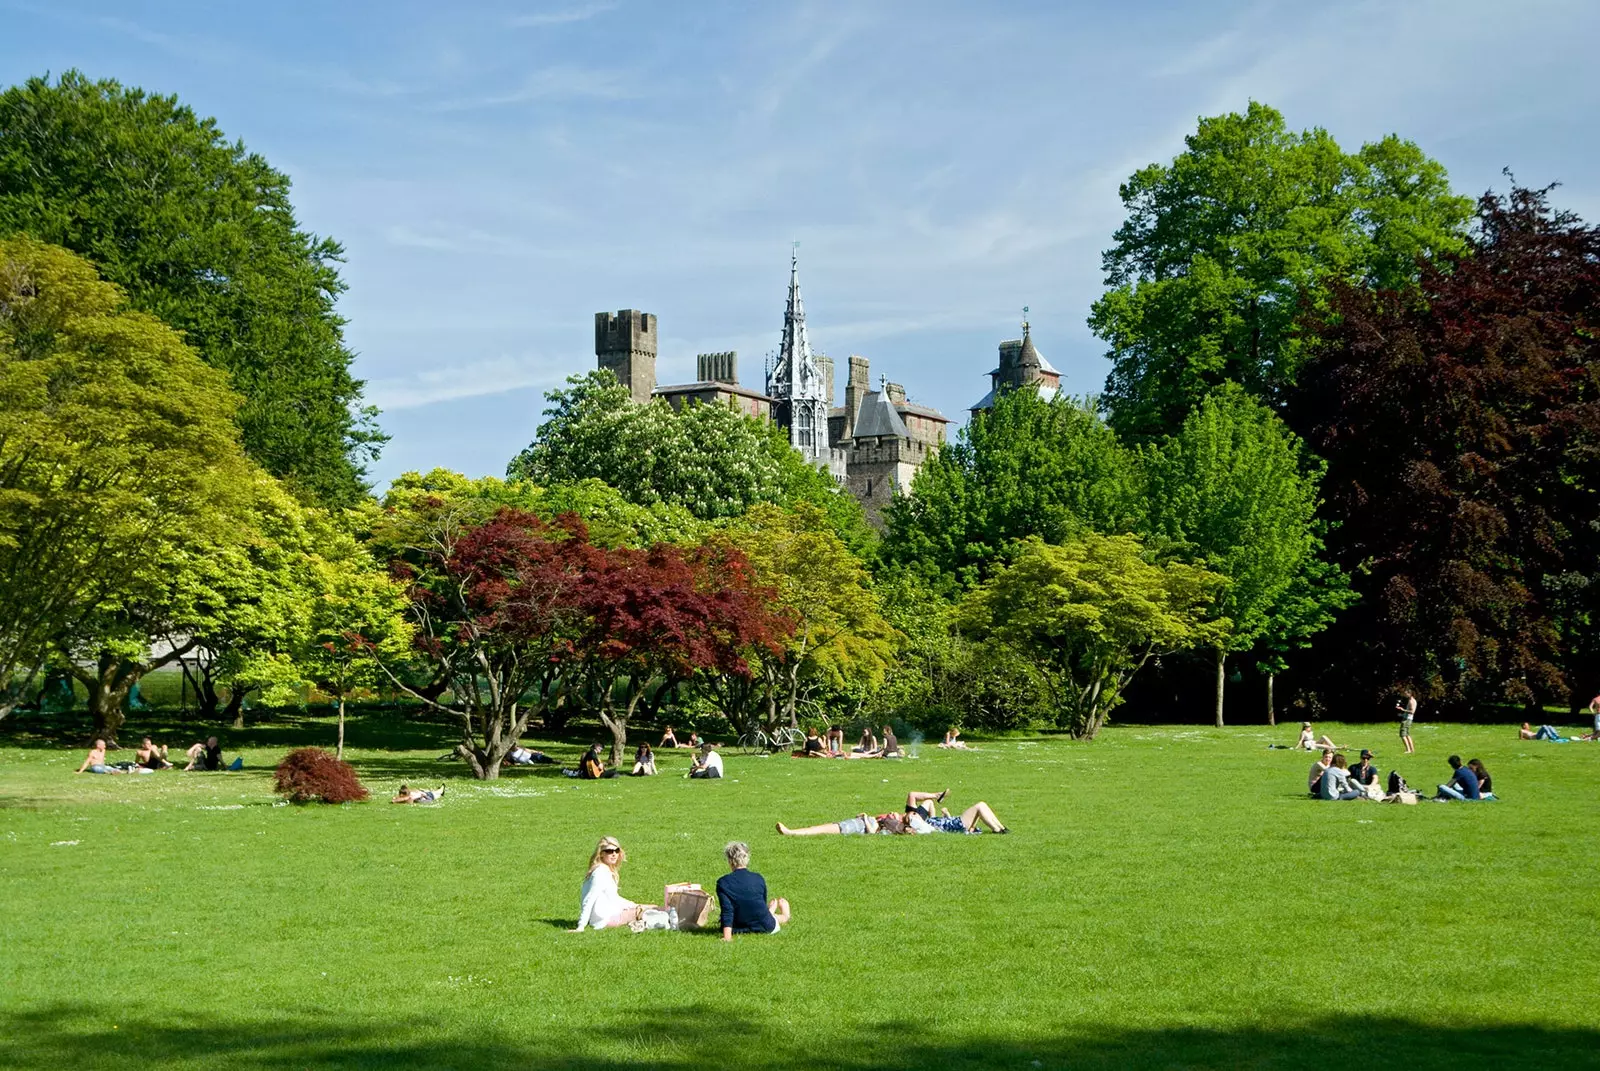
601,900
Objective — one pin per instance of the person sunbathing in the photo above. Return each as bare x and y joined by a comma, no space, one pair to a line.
921,819
1310,742
418,795
861,824
95,761
150,756
522,756
1543,732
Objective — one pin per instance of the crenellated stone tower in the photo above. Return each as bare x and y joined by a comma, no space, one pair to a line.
625,344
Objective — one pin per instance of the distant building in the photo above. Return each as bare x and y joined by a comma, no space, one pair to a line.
1020,365
872,445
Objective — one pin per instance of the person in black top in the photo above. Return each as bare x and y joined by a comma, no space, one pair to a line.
891,746
742,897
1485,785
1364,773
813,748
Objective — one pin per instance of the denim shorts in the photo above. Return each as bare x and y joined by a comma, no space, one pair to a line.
853,826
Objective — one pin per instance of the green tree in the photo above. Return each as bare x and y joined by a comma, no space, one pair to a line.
1091,613
356,618
710,460
118,455
1028,467
1235,489
841,639
200,233
1226,250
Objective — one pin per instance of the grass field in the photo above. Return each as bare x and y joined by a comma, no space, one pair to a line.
1169,898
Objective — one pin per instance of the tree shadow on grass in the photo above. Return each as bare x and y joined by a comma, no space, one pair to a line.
702,1035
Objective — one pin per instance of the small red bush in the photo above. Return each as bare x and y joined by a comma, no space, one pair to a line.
311,773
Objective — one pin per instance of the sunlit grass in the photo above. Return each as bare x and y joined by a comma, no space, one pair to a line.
1168,898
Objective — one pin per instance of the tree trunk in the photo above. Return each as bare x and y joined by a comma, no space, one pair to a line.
339,748
235,707
1222,661
108,685
1272,713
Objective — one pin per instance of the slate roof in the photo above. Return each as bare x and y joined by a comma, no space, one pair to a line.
878,417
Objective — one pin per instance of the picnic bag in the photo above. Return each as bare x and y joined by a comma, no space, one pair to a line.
693,904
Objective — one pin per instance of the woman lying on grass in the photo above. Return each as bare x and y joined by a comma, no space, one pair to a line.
602,905
918,818
407,794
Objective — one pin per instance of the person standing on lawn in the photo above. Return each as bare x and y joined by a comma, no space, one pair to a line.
1407,706
742,897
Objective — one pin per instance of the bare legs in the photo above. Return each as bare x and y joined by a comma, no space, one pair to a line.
809,831
982,812
780,910
914,798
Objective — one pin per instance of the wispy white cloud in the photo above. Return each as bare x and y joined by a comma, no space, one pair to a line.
553,84
561,17
468,379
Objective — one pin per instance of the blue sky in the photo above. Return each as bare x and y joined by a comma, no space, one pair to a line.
501,172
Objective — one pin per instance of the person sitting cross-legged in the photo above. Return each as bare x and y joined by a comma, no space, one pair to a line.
813,748
742,897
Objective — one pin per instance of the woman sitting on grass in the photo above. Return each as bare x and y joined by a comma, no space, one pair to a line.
813,748
1336,782
1485,790
1311,742
835,739
602,904
952,739
867,747
669,738
644,762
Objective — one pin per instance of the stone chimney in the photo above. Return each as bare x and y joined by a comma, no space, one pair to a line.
717,367
855,392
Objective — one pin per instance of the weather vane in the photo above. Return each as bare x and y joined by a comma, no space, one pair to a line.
1024,317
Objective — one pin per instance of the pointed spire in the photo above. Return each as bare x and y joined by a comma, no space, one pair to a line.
1028,358
795,379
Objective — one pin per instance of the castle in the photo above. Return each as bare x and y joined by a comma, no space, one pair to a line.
873,444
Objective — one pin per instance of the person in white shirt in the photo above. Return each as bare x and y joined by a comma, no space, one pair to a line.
602,905
708,763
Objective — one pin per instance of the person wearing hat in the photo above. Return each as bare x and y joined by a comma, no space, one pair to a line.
708,763
1364,773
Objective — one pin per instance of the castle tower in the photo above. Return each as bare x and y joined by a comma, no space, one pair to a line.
795,382
856,389
625,345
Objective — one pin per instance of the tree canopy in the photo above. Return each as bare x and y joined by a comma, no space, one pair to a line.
1225,250
1461,426
1091,613
200,233
118,455
1234,489
1028,467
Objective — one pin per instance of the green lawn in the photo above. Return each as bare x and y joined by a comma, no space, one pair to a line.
1169,898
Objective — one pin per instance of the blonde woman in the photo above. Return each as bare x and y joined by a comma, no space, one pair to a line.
603,906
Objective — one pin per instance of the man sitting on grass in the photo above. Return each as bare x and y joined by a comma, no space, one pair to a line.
1463,783
1318,769
707,764
151,757
95,761
418,795
591,767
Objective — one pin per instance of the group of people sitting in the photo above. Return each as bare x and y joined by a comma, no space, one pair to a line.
149,757
706,763
917,818
1333,778
832,745
741,895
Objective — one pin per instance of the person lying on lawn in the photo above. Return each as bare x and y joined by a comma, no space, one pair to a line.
861,824
921,819
523,756
408,794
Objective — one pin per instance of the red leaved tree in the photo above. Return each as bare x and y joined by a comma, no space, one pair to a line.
497,606
662,615
1461,426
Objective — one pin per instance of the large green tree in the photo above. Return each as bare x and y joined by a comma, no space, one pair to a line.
710,460
118,455
199,232
1028,467
841,639
1227,249
1091,613
1234,489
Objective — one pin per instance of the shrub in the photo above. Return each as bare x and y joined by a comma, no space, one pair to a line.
311,773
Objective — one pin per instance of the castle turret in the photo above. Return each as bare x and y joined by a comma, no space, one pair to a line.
856,389
795,382
625,345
